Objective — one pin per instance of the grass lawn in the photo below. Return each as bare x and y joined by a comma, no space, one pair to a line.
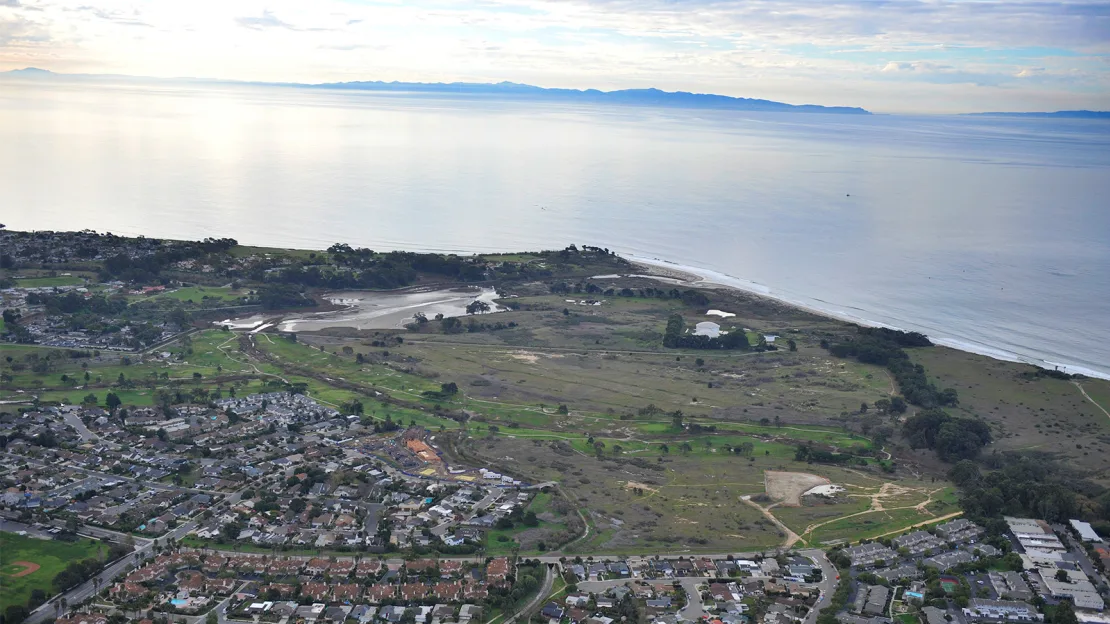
540,504
44,282
198,294
51,556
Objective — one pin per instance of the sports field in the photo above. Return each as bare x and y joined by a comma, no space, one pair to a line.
28,563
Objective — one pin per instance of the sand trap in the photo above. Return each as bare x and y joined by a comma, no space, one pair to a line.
824,490
720,313
531,358
788,487
28,568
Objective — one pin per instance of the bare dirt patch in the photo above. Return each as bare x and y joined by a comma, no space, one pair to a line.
788,487
28,568
634,485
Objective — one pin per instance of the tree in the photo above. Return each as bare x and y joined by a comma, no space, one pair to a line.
793,346
90,399
1062,576
965,472
450,388
112,401
211,618
1064,613
477,307
676,419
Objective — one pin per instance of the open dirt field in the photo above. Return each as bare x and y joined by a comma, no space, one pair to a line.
788,487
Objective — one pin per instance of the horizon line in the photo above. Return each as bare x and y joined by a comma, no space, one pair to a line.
540,90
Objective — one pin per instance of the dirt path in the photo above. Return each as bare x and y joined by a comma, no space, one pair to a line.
924,523
877,505
791,537
1088,397
893,386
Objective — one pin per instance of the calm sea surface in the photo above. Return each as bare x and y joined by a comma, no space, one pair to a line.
989,234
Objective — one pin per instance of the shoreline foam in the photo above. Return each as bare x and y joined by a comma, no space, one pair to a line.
704,278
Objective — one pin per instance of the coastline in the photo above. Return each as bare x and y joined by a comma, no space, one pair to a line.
698,277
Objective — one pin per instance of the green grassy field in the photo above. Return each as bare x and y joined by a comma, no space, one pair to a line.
541,505
46,282
199,294
1042,414
52,557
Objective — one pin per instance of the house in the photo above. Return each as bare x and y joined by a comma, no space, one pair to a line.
552,611
468,612
980,610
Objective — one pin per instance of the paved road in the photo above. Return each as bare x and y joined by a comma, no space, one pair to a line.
829,580
73,421
535,604
75,596
78,594
694,610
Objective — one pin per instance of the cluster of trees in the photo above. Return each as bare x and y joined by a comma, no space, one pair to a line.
884,347
806,452
689,296
351,268
382,265
73,303
148,267
75,573
675,337
525,518
1029,484
455,325
275,296
529,578
445,392
953,438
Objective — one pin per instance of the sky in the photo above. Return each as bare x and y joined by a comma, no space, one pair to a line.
910,56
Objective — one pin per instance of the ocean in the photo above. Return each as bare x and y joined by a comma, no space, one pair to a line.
988,234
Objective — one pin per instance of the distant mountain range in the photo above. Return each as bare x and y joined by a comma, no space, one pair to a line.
642,97
639,97
648,97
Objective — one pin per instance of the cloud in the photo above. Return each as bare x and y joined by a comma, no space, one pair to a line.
118,17
822,51
21,31
268,20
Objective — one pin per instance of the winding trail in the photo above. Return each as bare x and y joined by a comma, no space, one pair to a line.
791,537
1088,397
877,506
